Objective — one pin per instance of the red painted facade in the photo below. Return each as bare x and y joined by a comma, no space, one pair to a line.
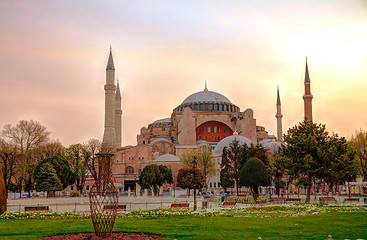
213,131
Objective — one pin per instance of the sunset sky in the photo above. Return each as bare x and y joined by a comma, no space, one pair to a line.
53,56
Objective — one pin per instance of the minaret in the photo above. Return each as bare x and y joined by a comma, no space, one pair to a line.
110,88
118,114
279,116
307,97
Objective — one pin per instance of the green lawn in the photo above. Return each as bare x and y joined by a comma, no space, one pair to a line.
341,225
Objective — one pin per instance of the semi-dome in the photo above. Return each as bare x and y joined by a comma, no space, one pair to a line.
218,150
207,101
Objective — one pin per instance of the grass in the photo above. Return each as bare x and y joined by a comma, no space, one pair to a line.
339,224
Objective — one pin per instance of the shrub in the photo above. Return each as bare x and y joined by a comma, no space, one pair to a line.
75,193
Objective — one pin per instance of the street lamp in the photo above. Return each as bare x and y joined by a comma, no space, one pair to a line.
194,164
269,183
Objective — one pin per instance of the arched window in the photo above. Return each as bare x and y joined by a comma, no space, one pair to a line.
163,147
218,138
199,137
129,170
212,138
155,148
169,149
206,138
212,127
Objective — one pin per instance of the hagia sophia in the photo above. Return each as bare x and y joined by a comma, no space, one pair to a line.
205,120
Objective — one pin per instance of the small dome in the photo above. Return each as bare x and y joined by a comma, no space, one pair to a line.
226,141
272,146
206,96
167,158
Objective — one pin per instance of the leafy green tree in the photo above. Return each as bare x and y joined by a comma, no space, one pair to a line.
190,178
232,162
359,142
205,162
340,161
62,167
235,157
47,180
253,175
303,152
75,156
3,195
226,180
279,170
154,176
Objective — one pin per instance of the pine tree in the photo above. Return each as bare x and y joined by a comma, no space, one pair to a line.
48,180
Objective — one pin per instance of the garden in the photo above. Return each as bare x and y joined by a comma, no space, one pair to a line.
298,221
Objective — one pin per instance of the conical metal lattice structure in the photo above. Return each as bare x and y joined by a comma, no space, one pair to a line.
103,198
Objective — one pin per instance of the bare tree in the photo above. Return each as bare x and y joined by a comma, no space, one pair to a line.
359,142
91,148
26,134
9,158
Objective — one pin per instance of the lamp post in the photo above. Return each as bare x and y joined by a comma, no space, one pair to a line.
194,163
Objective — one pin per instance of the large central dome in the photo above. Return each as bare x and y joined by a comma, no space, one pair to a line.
206,96
207,101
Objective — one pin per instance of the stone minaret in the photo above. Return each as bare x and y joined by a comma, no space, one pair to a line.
109,138
118,114
307,97
279,116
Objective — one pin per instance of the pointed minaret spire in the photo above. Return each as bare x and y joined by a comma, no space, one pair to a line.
109,138
118,116
307,76
110,65
307,97
206,87
279,117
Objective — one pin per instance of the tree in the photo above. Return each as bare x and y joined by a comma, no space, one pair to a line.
205,162
90,150
26,134
279,169
340,161
154,176
9,159
75,156
232,162
235,156
359,142
302,152
3,195
62,167
226,180
253,175
190,178
47,180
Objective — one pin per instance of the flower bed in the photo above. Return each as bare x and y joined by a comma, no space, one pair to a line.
257,212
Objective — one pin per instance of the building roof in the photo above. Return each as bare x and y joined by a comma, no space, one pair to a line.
163,120
218,150
159,140
206,96
167,158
